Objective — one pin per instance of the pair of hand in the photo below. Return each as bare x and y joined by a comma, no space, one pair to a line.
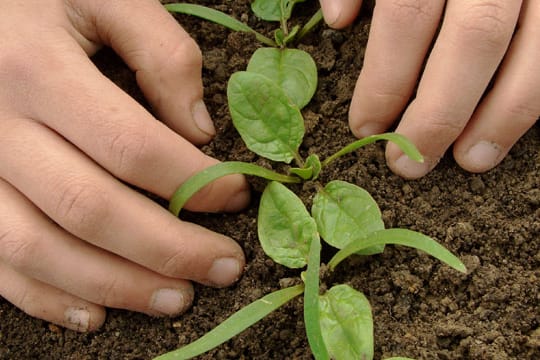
74,239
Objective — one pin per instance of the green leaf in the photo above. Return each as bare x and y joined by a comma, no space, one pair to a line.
311,302
345,212
346,323
235,324
311,169
205,177
404,144
293,70
285,227
217,17
400,237
274,10
268,122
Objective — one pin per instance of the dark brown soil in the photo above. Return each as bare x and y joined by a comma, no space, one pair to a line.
421,308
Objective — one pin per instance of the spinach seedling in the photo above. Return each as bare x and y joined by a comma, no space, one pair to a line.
265,103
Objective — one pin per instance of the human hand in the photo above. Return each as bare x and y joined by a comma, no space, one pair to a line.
73,237
480,43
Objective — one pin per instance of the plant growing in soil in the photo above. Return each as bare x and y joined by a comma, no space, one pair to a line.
265,102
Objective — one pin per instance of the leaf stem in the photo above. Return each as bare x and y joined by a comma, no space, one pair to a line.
311,302
315,19
404,144
218,17
235,324
203,178
399,237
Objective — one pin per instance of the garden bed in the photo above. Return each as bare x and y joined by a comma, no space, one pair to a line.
421,308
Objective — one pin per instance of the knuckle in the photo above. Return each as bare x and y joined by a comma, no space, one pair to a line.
175,264
187,53
129,150
107,292
82,207
19,247
486,23
409,11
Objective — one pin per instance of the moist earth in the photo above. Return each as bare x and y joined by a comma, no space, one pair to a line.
421,308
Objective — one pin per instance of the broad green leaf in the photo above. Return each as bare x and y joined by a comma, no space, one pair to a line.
235,324
274,10
346,323
206,176
345,212
292,69
285,227
268,122
311,302
217,17
400,237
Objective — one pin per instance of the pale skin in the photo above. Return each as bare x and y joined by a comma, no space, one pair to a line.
74,239
480,41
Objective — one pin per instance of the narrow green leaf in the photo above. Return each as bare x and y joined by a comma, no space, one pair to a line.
400,237
235,324
217,17
274,10
285,227
268,122
404,144
345,212
293,70
311,302
346,323
205,177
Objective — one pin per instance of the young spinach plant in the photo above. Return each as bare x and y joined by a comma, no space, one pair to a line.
265,103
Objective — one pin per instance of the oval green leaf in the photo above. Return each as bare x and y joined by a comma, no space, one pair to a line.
293,70
273,10
285,227
346,323
344,212
268,122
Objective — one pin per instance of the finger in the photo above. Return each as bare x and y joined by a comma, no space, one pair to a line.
37,248
48,303
92,205
400,35
340,13
472,41
512,106
166,60
82,105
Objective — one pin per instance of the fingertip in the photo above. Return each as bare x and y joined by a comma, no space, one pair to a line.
339,14
84,318
407,168
171,301
479,157
230,194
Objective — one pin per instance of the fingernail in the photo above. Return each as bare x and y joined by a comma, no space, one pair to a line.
77,319
410,169
169,301
224,271
484,155
368,129
331,11
202,118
